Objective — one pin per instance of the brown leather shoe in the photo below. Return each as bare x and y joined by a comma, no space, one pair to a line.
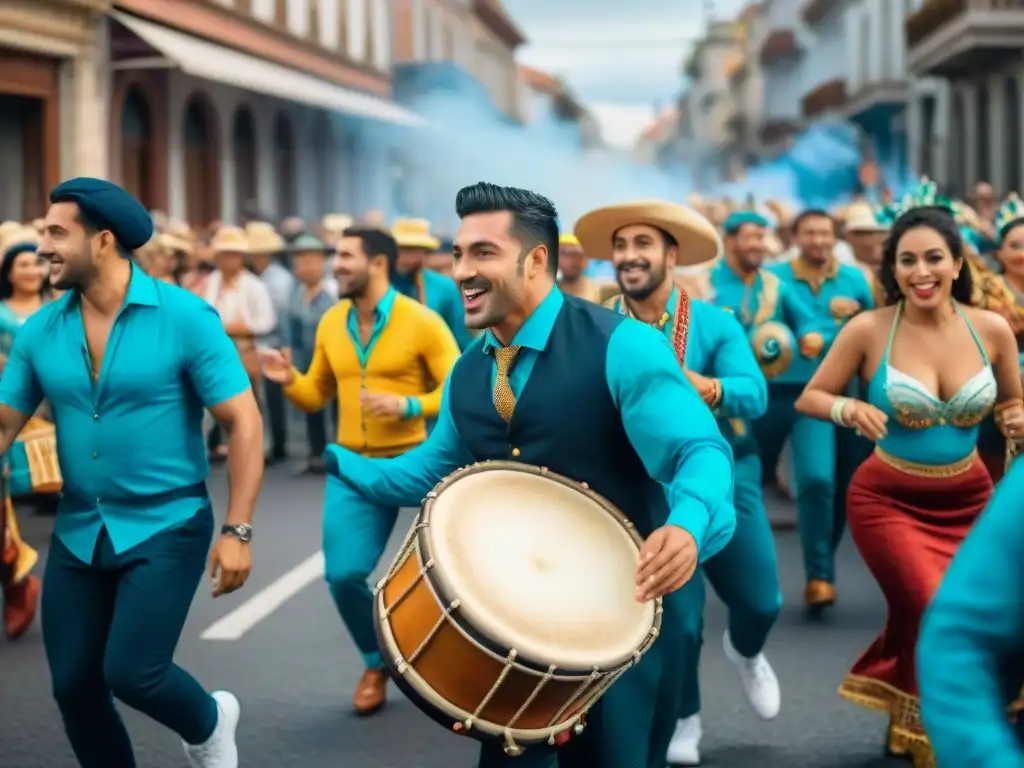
819,595
20,602
371,693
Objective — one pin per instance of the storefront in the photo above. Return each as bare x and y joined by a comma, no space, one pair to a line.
52,99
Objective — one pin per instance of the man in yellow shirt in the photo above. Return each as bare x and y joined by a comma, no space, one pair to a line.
379,352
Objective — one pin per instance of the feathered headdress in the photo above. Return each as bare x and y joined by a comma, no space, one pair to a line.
924,195
1010,211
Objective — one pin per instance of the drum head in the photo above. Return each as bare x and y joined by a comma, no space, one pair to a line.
540,567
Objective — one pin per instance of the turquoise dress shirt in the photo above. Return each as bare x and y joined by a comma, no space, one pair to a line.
669,426
846,283
131,444
717,346
972,640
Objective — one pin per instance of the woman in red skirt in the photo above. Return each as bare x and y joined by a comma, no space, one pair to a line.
934,368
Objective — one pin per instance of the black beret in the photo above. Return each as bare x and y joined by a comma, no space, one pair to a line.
110,207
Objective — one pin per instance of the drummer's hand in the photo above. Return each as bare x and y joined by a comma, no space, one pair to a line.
866,419
668,560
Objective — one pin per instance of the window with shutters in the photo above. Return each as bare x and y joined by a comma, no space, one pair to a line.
281,13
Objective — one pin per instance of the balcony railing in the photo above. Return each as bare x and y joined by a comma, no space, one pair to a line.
951,38
779,44
828,95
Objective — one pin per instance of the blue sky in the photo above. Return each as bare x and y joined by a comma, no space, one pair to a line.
621,57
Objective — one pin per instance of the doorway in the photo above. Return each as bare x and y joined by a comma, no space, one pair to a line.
22,163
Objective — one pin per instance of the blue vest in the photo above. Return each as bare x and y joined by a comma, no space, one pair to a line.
565,418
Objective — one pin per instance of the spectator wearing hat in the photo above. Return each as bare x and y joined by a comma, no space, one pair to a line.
440,261
312,296
265,244
332,229
129,365
436,291
244,304
572,263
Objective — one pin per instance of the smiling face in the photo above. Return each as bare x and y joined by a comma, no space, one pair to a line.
642,259
1011,252
69,247
925,268
488,265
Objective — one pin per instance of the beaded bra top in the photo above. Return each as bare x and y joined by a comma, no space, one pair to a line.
916,407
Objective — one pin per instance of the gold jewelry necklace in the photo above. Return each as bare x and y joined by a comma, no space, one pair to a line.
662,321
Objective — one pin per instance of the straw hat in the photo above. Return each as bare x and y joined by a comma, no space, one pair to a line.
569,239
860,218
26,237
697,238
173,243
335,223
263,238
8,228
414,233
230,240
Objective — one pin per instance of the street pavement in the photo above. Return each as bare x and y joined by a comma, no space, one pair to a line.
294,670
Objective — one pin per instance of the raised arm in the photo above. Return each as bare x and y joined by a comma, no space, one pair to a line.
973,628
312,390
673,433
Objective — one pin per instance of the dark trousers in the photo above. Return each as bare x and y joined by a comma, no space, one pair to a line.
274,395
110,628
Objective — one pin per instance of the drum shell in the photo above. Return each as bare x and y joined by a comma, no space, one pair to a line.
461,667
774,348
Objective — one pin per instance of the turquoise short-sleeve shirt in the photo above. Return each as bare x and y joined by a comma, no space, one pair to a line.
130,444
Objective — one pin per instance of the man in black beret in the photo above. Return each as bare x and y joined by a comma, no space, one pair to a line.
128,365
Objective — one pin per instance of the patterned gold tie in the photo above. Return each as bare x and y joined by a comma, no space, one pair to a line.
504,398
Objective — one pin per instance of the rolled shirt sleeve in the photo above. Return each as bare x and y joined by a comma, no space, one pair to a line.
674,433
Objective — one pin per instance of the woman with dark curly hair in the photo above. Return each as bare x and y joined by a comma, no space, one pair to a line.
933,367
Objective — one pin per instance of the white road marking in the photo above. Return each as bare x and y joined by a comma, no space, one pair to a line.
266,601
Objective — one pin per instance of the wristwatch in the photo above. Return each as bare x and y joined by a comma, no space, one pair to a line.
242,531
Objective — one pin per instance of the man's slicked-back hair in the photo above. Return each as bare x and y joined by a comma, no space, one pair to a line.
376,242
534,218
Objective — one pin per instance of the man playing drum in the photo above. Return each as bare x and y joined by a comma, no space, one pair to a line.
561,383
646,241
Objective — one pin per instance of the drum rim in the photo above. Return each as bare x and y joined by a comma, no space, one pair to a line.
489,643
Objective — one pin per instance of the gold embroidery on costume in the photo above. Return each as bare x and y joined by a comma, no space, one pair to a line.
768,297
915,469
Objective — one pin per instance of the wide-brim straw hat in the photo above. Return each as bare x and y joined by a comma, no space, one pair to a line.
860,218
230,240
263,238
697,238
23,238
414,233
336,223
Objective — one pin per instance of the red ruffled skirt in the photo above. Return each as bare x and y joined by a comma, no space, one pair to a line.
907,521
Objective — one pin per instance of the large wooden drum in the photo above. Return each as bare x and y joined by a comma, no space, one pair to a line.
511,606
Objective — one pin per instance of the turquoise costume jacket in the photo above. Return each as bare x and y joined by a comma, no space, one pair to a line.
843,292
970,655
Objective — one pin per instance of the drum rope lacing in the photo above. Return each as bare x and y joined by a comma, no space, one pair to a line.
604,679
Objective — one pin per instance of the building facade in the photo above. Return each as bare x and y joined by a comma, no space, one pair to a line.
966,126
823,70
711,102
476,36
878,87
548,102
53,96
781,41
746,92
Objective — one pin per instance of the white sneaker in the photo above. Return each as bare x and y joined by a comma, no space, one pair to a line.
684,748
220,750
760,685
